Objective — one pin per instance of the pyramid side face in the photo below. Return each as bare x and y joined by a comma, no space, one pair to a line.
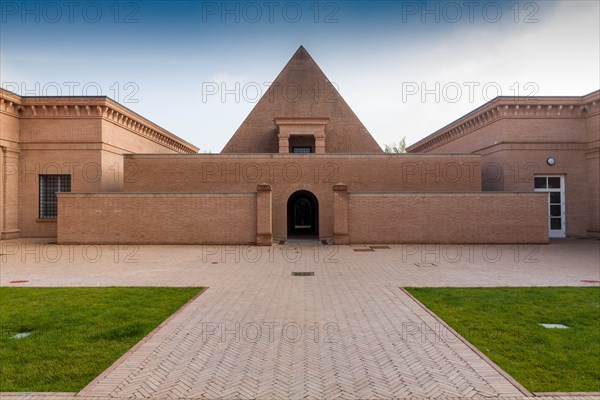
302,91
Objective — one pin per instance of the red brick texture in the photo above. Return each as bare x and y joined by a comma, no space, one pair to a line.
446,218
340,214
264,215
170,218
302,90
84,137
515,138
10,136
288,173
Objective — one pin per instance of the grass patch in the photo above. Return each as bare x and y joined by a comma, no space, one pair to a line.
75,333
503,324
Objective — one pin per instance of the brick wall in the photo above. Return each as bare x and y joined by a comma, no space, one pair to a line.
516,137
447,218
116,141
9,179
84,137
83,165
151,218
592,155
517,130
288,173
56,145
512,168
515,150
60,130
97,218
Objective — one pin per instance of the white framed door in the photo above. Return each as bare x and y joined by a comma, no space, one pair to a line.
554,185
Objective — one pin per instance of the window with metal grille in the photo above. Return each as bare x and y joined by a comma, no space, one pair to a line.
299,150
49,186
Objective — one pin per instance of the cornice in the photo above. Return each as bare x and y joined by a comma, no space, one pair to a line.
301,121
91,107
11,97
502,107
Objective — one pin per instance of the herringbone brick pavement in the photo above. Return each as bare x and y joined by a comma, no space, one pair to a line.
346,332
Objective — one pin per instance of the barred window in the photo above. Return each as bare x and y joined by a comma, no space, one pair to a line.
299,150
49,186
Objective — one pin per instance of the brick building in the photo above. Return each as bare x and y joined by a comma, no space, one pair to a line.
544,144
51,144
88,170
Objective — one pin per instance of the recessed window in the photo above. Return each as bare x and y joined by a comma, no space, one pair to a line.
301,150
547,182
541,182
555,224
554,183
49,186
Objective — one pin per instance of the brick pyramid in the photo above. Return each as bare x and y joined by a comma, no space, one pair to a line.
301,90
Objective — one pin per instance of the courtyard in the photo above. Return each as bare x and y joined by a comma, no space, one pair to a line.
343,328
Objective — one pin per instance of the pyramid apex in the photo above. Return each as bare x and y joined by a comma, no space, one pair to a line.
312,96
301,53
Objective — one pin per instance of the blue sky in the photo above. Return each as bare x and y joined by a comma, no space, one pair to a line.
197,68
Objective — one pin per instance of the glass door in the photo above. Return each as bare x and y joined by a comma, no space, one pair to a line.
555,187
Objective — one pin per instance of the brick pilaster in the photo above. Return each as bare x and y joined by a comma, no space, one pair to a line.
264,215
340,214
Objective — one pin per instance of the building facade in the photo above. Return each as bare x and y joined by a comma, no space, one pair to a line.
56,144
301,165
542,144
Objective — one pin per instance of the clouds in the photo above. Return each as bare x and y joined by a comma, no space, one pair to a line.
421,88
376,52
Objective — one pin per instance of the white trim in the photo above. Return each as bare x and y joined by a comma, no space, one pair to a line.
562,232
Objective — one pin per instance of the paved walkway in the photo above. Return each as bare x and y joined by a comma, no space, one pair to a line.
349,331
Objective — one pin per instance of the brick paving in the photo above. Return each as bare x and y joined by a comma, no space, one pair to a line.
259,332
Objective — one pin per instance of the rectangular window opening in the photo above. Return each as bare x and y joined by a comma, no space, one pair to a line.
301,150
49,186
540,182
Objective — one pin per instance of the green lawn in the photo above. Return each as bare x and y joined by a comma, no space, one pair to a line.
503,324
76,333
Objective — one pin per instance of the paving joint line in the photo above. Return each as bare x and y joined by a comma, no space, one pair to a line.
132,350
485,358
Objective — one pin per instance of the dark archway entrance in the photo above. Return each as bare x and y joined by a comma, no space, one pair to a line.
303,214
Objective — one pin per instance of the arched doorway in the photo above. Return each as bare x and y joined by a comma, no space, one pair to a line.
303,214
